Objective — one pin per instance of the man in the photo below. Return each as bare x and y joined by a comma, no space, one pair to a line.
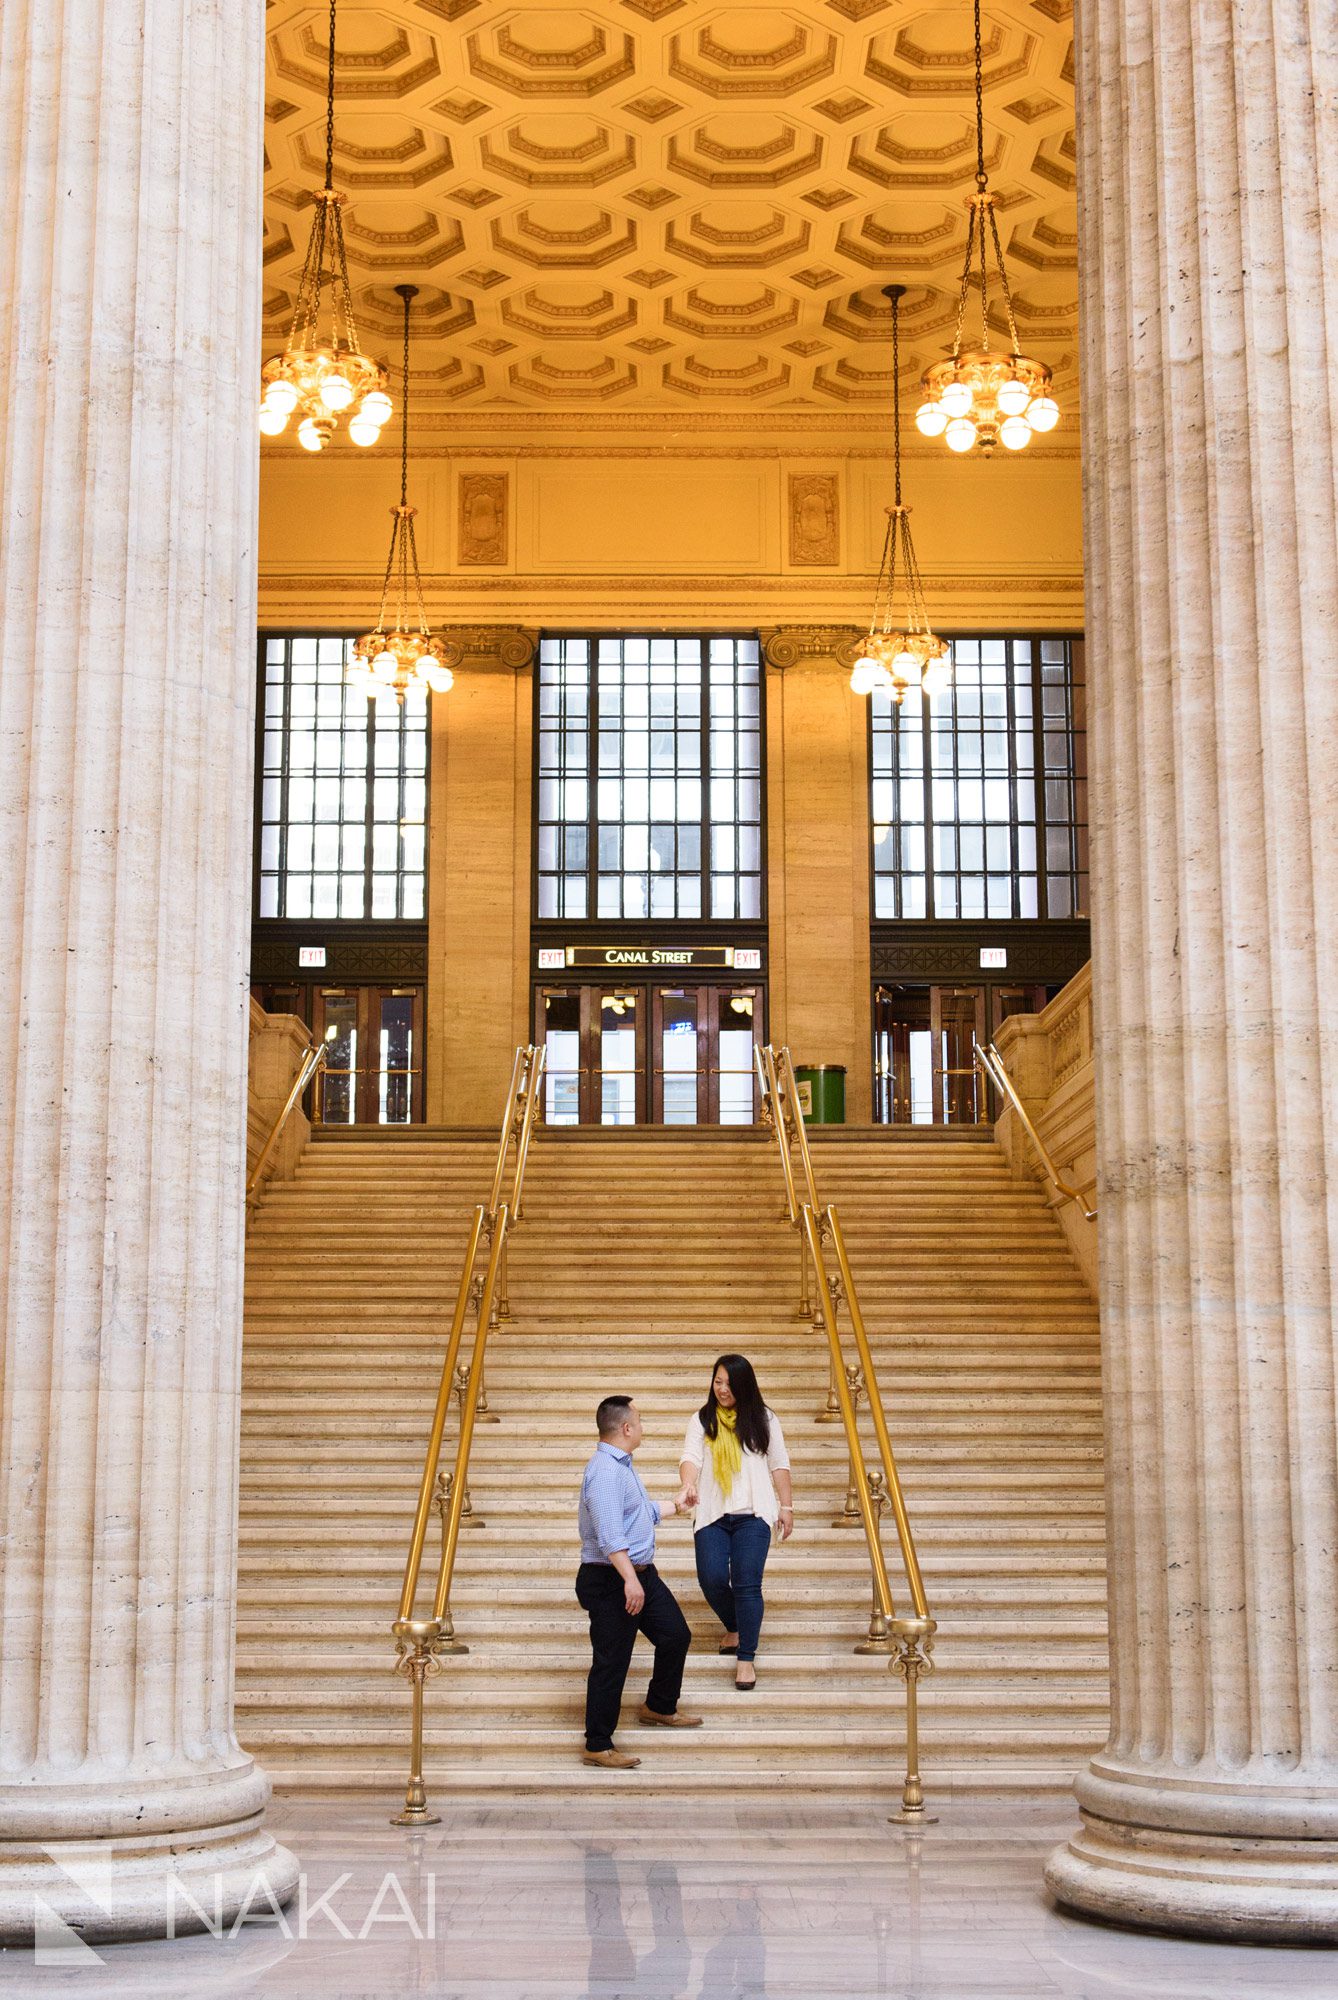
623,1592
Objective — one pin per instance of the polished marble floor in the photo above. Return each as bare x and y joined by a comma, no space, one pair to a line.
535,1899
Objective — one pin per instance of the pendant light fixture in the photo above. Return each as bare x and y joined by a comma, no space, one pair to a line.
894,657
318,380
407,655
979,395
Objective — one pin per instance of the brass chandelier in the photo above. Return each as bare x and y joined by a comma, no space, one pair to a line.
978,395
894,657
408,655
318,380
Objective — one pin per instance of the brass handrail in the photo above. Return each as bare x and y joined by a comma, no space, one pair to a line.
313,1060
909,1640
419,1642
994,1066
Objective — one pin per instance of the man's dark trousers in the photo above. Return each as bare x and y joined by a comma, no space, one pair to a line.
613,1631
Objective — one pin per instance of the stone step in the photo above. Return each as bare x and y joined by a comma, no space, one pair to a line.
639,1257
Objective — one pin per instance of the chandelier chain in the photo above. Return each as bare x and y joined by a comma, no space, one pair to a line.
329,106
1003,280
981,177
404,417
896,397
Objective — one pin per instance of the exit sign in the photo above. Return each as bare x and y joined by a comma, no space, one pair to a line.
993,957
312,955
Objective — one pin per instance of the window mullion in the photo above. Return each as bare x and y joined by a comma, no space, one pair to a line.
926,766
369,812
1038,779
706,762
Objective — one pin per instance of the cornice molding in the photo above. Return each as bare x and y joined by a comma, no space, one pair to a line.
1064,584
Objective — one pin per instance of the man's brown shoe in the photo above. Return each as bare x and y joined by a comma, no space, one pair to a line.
676,1721
610,1760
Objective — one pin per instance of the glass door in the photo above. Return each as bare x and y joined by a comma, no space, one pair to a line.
924,1064
594,1068
620,1067
703,1038
373,1071
676,1055
737,1032
956,1020
680,1037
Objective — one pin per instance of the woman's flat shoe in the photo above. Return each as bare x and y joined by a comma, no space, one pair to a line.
745,1687
725,1651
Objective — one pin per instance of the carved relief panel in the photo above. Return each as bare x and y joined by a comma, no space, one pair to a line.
815,522
482,522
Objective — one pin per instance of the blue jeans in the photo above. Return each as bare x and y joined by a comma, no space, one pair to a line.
731,1556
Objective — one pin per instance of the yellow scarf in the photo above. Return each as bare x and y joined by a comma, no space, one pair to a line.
726,1451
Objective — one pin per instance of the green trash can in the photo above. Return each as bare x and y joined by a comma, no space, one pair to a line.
822,1093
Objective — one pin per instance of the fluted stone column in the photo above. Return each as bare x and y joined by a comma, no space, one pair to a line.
1209,170
130,148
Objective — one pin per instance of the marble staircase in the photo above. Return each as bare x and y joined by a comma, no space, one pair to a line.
643,1255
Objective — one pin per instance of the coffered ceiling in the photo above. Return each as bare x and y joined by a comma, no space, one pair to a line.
666,205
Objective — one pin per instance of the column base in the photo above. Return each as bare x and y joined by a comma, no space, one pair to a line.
1270,1890
82,1868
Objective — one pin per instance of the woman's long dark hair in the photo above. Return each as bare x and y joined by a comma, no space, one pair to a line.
754,1432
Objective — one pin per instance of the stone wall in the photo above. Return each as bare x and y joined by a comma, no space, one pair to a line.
1049,1060
278,1043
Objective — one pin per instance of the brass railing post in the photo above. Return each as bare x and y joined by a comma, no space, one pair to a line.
914,1639
417,1642
441,1500
880,1638
849,1516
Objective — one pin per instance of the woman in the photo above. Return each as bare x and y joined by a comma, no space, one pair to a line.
737,1476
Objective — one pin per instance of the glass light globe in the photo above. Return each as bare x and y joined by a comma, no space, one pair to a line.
308,435
281,395
272,421
955,400
439,678
1013,397
375,406
1015,432
907,667
362,431
336,391
960,434
865,676
385,666
1043,414
937,678
930,420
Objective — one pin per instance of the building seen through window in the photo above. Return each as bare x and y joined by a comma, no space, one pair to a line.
649,778
979,795
343,790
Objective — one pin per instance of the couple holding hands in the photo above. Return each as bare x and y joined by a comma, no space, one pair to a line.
736,1483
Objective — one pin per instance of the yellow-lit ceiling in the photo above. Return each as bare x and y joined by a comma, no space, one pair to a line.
669,205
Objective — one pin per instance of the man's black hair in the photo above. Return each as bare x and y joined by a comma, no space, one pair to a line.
612,1414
